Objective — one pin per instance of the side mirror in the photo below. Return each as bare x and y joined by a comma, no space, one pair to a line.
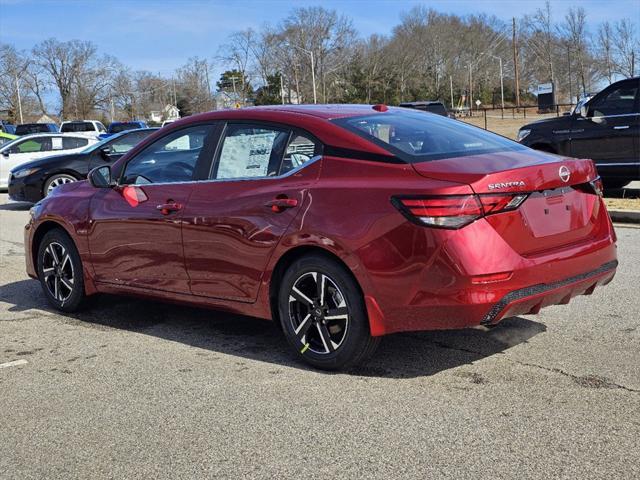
5,153
105,152
583,111
100,177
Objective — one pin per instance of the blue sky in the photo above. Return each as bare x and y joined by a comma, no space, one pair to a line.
160,35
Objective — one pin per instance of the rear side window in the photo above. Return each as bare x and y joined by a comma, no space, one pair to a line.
250,151
121,127
125,143
69,143
78,127
301,149
416,136
31,128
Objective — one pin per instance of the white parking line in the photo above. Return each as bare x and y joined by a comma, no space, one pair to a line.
15,363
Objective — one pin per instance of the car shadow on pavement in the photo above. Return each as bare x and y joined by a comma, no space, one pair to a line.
16,206
403,355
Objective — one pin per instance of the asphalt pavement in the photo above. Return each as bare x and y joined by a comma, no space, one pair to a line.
139,389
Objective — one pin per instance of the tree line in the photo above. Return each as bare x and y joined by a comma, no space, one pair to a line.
316,53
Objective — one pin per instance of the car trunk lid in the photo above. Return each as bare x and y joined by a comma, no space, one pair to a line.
561,207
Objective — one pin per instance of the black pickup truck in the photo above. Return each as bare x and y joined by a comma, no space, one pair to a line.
605,129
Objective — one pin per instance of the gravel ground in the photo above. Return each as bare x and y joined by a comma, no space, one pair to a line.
138,389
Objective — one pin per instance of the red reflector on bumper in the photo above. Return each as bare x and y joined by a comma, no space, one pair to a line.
491,278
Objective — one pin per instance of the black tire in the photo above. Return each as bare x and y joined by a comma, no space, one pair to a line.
614,184
60,271
333,335
54,180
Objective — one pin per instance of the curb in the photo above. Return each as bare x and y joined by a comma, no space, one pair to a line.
625,216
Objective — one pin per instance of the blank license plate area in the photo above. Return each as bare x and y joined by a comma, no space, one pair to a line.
556,211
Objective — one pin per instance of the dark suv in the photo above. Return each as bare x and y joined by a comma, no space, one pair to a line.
605,129
433,107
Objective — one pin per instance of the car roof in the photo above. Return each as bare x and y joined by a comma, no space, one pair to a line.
289,112
52,134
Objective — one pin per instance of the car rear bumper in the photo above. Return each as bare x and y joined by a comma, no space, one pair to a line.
451,285
531,299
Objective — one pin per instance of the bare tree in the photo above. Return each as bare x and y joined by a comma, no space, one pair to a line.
65,62
605,50
626,47
574,29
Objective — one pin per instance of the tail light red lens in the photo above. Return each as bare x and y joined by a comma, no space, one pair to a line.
450,211
454,211
594,187
501,202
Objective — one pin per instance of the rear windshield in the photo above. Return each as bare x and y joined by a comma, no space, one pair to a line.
121,127
416,136
78,127
32,128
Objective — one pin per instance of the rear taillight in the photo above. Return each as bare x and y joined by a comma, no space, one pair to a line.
595,186
454,211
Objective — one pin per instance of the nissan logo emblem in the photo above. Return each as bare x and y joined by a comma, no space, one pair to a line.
564,174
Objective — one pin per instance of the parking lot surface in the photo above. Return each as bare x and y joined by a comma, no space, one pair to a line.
138,389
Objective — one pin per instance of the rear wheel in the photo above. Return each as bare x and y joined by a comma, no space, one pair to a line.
323,315
60,271
56,181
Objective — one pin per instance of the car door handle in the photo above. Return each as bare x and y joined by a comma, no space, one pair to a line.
280,204
167,208
621,127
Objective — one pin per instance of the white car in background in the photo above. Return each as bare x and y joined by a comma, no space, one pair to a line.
89,128
38,145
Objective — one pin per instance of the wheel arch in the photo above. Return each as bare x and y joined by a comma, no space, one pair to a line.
42,229
287,259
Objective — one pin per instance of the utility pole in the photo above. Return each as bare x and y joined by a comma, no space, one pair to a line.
206,73
569,73
281,89
113,110
515,63
501,85
470,92
451,88
19,100
175,100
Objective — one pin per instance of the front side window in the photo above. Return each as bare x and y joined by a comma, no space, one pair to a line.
32,145
251,151
170,159
619,101
416,136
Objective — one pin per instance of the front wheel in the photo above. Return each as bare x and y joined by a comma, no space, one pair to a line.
60,271
56,181
323,314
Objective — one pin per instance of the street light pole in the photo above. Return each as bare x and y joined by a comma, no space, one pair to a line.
19,99
313,77
313,70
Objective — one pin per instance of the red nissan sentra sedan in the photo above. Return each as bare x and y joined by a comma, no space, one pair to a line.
342,223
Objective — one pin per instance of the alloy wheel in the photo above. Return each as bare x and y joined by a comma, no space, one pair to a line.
57,271
318,313
60,180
